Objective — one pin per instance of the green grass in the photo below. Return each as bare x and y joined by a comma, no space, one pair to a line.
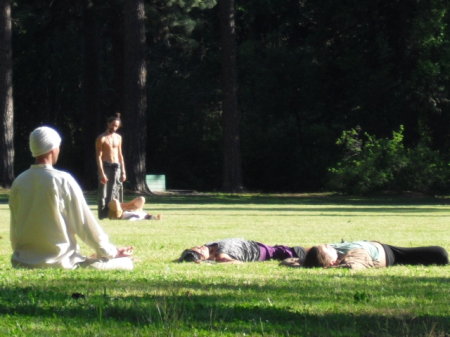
162,298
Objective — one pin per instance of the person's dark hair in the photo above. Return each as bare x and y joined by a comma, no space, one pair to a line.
312,258
189,255
116,117
318,257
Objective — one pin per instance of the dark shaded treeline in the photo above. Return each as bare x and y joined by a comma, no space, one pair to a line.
306,70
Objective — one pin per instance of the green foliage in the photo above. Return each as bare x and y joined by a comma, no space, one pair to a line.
426,171
372,164
173,22
306,71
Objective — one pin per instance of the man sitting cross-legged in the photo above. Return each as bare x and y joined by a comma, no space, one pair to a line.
48,212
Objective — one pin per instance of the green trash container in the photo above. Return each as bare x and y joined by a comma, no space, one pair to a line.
156,182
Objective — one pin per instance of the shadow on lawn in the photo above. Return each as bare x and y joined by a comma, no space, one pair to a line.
197,199
243,308
289,199
275,205
286,199
319,211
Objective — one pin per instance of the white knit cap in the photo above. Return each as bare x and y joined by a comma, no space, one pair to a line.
43,140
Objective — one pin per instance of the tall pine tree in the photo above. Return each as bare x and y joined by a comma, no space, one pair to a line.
6,97
135,96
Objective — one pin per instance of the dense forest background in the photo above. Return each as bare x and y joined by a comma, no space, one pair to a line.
305,72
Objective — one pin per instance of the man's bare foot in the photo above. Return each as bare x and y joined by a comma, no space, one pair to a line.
114,209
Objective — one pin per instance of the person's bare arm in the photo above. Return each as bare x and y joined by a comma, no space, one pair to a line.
356,259
99,154
121,161
225,258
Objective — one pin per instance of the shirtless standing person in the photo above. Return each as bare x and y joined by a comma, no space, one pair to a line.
110,164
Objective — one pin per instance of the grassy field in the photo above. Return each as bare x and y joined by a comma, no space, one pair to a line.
163,298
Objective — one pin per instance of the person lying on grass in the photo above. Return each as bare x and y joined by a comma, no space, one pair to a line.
239,250
132,210
371,254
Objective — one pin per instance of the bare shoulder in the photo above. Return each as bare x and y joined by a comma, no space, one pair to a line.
101,137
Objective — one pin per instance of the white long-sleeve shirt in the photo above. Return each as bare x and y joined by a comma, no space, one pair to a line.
48,210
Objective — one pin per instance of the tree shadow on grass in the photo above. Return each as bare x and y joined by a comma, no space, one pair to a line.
323,211
306,308
285,199
278,205
305,199
277,199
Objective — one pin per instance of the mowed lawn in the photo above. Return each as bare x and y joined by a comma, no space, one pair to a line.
164,298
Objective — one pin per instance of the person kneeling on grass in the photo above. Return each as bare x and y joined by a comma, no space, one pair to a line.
48,210
239,250
372,254
132,210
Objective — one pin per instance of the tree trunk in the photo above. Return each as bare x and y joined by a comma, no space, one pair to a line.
91,122
232,167
6,97
135,100
117,52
